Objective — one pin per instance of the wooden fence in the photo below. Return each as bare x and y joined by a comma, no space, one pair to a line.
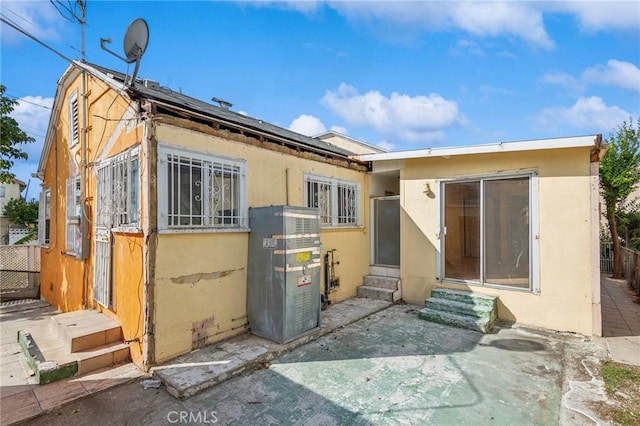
631,268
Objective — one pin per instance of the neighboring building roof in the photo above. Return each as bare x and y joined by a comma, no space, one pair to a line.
594,141
349,143
20,183
15,181
149,89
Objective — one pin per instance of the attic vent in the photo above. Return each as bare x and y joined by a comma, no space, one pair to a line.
223,104
150,84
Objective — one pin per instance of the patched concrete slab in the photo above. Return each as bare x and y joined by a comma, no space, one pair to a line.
388,368
189,374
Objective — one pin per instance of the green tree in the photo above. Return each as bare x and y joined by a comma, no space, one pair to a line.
619,174
10,136
22,212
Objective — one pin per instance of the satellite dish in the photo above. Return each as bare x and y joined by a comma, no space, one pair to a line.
135,43
136,39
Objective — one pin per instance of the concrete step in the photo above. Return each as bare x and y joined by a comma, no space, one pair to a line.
381,282
109,355
464,296
456,320
462,308
378,293
51,362
86,329
384,271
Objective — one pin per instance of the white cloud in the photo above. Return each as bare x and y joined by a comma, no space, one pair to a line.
615,73
307,125
385,144
417,118
493,19
601,15
304,6
33,120
519,19
590,113
467,46
39,18
563,79
340,129
32,114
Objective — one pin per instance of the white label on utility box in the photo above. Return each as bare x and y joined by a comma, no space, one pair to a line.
269,243
304,280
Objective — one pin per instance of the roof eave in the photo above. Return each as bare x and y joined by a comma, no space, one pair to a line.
530,145
64,82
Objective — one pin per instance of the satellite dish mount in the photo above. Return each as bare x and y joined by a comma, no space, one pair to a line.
135,43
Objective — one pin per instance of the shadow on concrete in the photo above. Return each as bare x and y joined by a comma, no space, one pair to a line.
520,345
620,308
424,370
391,367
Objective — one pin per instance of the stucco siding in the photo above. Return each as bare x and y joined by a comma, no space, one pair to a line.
565,233
67,282
201,277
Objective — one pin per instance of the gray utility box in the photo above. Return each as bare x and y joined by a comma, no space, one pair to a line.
283,288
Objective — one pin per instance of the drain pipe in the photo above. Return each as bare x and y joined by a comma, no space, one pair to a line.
324,298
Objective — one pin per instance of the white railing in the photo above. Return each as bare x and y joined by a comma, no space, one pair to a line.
17,234
19,271
606,257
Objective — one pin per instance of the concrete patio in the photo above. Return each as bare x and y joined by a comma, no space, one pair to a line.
387,366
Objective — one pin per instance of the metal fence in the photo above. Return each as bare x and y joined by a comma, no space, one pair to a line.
19,272
606,257
631,268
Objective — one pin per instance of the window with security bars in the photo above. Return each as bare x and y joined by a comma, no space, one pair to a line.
119,191
202,191
73,240
74,120
338,200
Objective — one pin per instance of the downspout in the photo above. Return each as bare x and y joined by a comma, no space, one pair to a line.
594,182
84,248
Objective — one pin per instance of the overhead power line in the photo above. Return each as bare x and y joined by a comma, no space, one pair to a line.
26,101
16,27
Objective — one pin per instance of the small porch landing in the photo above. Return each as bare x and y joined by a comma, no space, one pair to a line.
382,283
73,343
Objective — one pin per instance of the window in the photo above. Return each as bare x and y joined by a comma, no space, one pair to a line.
3,191
74,119
200,191
119,191
73,242
44,217
337,200
488,231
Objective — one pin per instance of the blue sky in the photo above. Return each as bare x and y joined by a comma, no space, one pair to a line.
402,75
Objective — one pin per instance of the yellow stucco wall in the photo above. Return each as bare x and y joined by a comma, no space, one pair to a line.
201,278
63,276
565,227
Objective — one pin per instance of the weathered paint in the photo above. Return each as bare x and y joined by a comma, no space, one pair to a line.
168,288
64,278
565,225
203,275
